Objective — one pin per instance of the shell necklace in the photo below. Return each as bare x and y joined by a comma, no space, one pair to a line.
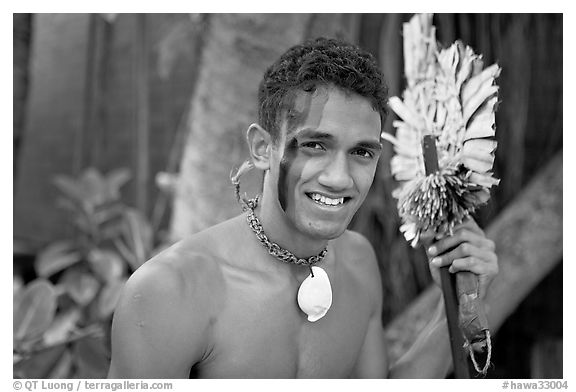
315,292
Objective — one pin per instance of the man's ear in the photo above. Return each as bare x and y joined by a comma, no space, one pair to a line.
260,146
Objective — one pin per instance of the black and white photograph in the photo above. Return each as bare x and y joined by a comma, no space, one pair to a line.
287,196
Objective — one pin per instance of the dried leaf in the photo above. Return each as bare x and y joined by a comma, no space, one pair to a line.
403,148
450,97
477,100
485,180
404,168
477,165
479,146
405,113
467,57
479,82
481,126
448,59
482,196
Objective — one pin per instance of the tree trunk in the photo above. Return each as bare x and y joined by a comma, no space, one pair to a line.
22,26
528,238
237,50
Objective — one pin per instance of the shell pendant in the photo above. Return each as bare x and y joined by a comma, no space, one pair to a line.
315,294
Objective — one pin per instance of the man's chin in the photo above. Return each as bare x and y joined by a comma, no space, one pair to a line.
324,231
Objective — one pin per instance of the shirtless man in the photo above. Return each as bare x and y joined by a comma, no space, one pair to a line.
221,303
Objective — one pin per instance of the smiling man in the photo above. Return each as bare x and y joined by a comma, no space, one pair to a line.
285,290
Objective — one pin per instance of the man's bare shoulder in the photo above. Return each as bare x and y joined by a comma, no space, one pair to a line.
175,272
163,316
354,243
182,275
188,266
356,254
171,285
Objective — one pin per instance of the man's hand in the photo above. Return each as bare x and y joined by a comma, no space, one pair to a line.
467,250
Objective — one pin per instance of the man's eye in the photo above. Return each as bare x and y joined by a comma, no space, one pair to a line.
363,153
313,146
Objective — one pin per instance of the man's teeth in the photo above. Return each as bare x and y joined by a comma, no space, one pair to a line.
326,200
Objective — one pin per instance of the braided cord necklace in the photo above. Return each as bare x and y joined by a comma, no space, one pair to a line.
273,248
315,292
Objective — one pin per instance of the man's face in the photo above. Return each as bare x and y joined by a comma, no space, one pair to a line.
325,160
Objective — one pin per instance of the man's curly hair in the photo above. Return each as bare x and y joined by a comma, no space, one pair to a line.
318,62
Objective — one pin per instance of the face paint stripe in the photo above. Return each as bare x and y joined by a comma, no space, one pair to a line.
296,114
290,152
300,108
301,112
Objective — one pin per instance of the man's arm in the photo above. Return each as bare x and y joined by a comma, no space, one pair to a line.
372,361
467,250
154,334
430,356
421,360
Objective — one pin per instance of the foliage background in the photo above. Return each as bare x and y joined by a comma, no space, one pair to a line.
119,91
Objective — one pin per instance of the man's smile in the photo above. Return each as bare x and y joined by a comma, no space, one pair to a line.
328,201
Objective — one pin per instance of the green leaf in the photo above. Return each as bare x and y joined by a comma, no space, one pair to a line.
111,230
138,235
40,365
108,213
83,224
34,310
80,285
108,298
91,358
17,285
62,368
68,204
176,44
126,253
55,258
63,324
110,18
93,187
107,264
116,179
69,187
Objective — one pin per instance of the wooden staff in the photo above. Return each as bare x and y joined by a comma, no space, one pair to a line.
447,280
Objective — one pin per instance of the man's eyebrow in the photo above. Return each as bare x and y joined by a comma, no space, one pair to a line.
313,134
370,145
316,134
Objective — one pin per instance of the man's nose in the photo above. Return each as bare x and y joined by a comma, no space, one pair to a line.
336,173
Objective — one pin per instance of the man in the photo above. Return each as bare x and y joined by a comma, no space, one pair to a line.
224,301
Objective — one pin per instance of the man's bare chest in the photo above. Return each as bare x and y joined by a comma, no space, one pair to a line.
261,333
